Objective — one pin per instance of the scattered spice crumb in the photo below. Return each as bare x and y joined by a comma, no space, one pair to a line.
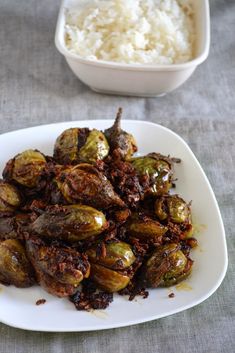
40,301
171,295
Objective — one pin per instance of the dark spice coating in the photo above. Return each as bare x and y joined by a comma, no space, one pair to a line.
57,261
135,222
58,269
89,297
124,179
40,301
86,184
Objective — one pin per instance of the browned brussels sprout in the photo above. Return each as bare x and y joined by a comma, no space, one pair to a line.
8,228
161,209
174,209
53,286
13,227
80,145
179,211
96,147
108,280
15,267
146,229
68,143
85,184
121,143
25,168
10,198
118,255
71,223
167,266
63,265
157,169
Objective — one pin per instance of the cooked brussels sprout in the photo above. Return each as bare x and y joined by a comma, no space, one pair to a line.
96,147
161,209
71,223
146,229
15,267
167,266
80,145
118,256
12,227
53,286
178,209
108,280
64,265
25,168
174,209
85,184
68,144
121,143
7,228
158,169
10,198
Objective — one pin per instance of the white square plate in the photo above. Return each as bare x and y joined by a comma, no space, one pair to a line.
17,306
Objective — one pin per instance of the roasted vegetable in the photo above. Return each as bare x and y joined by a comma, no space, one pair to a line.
146,229
122,144
70,223
108,280
8,228
167,266
68,144
96,147
10,198
53,286
80,145
173,209
25,168
15,267
61,265
13,227
158,170
85,184
118,255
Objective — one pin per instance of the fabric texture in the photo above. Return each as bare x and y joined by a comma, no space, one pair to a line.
38,87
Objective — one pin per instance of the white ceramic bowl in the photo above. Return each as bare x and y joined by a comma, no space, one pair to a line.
133,79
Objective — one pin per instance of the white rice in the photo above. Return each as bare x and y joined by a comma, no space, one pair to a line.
132,31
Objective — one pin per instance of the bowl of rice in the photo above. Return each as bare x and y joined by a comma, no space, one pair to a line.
133,47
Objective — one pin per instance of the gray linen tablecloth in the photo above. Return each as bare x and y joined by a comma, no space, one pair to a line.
38,87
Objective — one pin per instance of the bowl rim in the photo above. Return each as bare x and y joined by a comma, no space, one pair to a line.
132,67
